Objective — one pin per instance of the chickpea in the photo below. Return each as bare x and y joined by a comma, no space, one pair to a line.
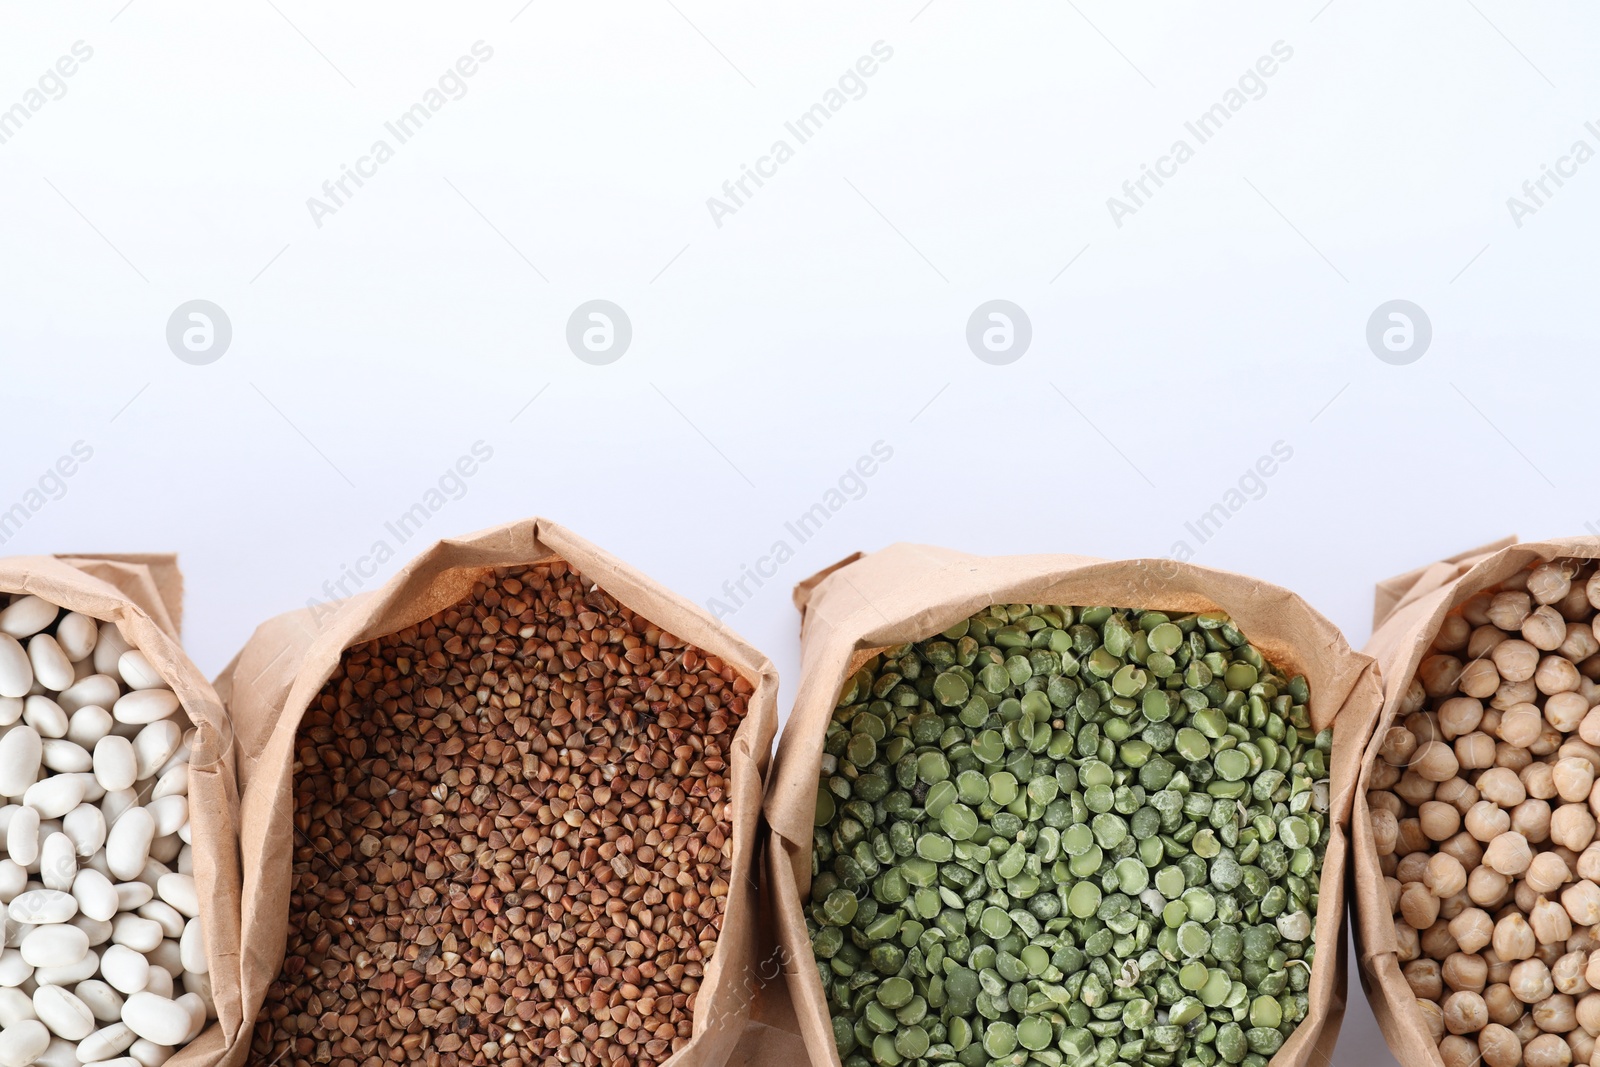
1504,1007
1382,798
1550,582
1592,590
1475,609
1511,757
1480,678
1582,940
1555,1014
1508,609
1440,820
1445,876
1521,725
1531,819
1576,746
1391,886
1582,902
1464,848
1499,969
1567,972
1483,639
1413,699
1516,660
1546,1050
1423,978
1388,865
1588,1013
1486,820
1462,970
1382,775
1524,897
1512,693
1499,1046
1451,906
1573,778
1458,793
1424,726
1407,944
1580,642
1459,715
1458,1051
1531,981
1544,628
1556,674
1418,907
1413,840
1435,761
1509,853
1572,826
1487,887
1413,866
1475,751
1549,740
1413,788
1513,939
1491,722
1439,675
1548,954
1464,1012
1453,634
1472,929
1574,607
1386,830
1581,1044
1500,785
1538,780
1546,873
1526,1030
1398,745
1550,923
1432,1019
1436,942
1588,865
1591,973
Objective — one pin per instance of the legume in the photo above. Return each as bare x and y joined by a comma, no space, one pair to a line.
1124,869
513,838
1499,727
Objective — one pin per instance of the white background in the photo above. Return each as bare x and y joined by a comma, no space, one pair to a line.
828,313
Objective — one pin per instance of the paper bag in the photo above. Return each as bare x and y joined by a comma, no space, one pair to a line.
286,663
143,596
911,592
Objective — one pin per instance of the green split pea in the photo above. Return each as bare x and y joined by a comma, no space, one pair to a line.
1069,837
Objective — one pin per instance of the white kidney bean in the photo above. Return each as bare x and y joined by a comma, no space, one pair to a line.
145,706
20,753
26,616
65,757
53,797
155,1018
192,949
23,1043
148,1054
98,690
128,843
174,782
105,1002
57,945
22,836
51,667
124,970
61,1011
45,716
41,907
141,935
86,827
107,1041
103,959
88,725
16,671
77,635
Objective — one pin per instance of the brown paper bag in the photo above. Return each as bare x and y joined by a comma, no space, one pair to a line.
911,592
284,666
1409,610
143,596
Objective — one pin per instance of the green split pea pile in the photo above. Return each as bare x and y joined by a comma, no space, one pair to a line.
1069,837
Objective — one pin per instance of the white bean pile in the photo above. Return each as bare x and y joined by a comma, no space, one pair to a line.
104,957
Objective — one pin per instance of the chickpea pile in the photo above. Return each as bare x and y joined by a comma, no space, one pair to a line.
1483,806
